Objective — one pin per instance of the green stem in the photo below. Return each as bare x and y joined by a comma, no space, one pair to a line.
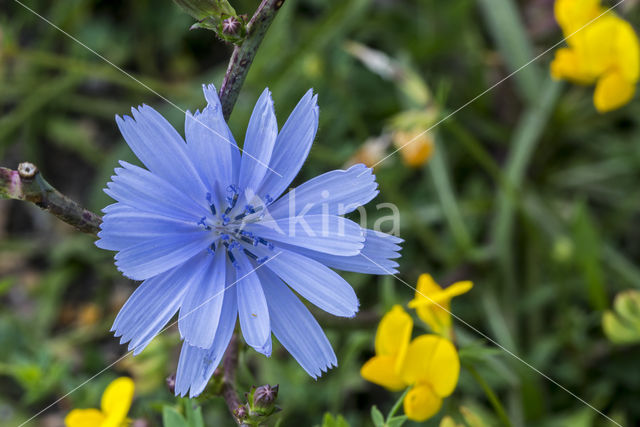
396,405
243,55
493,399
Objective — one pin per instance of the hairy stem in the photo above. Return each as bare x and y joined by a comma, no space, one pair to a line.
243,54
229,364
27,184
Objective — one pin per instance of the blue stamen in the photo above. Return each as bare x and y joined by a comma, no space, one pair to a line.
251,254
264,242
211,205
225,219
262,260
212,249
225,238
203,224
267,199
233,199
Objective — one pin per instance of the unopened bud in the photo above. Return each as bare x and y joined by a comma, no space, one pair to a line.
264,398
230,26
171,383
241,412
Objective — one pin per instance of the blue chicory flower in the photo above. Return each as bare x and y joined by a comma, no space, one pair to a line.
205,229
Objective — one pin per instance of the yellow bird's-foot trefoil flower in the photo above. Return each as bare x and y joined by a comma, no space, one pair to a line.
392,340
603,50
432,303
429,365
114,407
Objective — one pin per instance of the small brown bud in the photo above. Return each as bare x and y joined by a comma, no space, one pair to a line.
171,383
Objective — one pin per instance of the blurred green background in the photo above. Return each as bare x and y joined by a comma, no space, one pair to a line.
530,194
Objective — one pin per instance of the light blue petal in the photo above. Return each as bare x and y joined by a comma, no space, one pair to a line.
144,191
377,256
324,233
210,144
292,146
252,308
200,310
161,149
126,227
258,144
196,365
334,193
151,306
318,284
295,328
155,256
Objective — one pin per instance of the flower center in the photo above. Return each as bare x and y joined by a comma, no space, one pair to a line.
227,224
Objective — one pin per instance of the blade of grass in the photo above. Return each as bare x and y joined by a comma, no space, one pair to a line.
508,32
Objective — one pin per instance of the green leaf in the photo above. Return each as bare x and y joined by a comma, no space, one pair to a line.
377,417
588,256
396,421
172,418
329,421
194,414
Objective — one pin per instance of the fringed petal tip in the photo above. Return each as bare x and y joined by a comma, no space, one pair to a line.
322,370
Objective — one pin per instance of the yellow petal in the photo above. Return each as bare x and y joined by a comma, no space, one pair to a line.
627,51
573,14
429,292
116,400
612,91
421,403
567,66
381,370
458,288
394,332
432,360
84,418
438,317
416,147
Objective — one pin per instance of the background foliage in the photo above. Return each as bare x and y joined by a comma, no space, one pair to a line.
531,194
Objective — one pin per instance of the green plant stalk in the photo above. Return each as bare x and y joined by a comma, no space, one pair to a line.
243,55
508,31
493,399
526,136
438,168
396,405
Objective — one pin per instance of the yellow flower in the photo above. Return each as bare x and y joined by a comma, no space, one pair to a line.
432,303
416,147
392,341
115,404
602,50
429,365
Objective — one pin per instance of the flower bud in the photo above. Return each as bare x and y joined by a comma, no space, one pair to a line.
264,398
241,413
230,26
171,383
